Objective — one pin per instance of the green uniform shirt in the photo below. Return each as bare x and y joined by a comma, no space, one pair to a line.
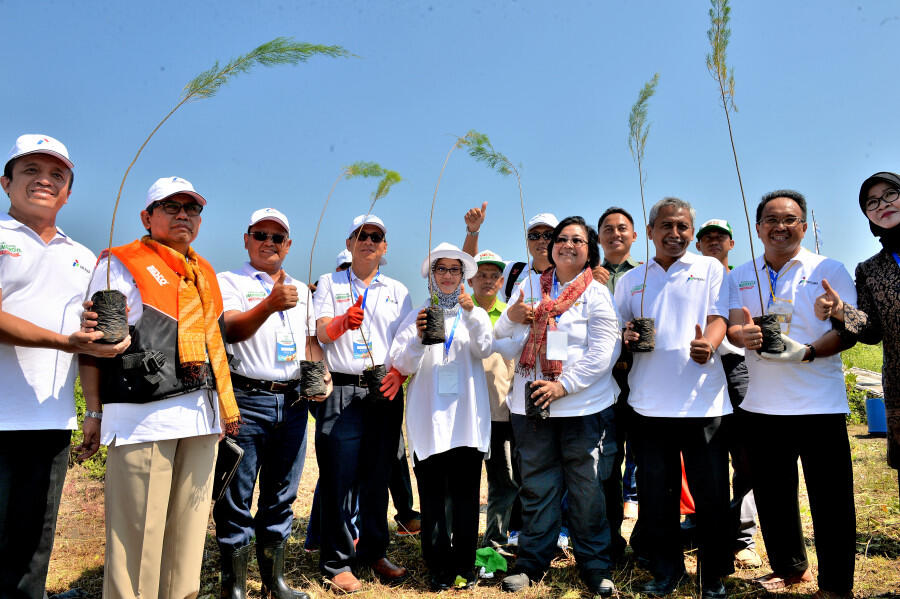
494,312
617,270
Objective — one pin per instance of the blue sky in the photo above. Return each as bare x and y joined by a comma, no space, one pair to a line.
550,82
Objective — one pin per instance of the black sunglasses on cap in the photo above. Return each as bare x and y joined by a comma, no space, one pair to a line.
262,237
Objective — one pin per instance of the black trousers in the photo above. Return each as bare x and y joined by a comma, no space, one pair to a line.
504,510
449,488
32,472
401,485
703,442
820,441
356,448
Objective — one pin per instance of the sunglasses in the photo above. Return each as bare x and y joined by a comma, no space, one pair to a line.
546,236
262,237
172,207
375,236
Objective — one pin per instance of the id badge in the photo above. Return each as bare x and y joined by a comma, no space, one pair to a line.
783,309
285,347
557,345
448,379
361,349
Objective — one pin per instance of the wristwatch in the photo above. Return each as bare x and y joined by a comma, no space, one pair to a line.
93,414
812,352
473,233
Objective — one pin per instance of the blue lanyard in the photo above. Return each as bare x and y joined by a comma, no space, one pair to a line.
268,291
449,340
555,294
366,294
897,258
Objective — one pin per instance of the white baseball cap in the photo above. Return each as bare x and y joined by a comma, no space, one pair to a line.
344,257
364,219
448,250
489,257
544,218
270,214
33,143
169,186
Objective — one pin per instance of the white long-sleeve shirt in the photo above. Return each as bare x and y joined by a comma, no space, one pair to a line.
438,420
592,330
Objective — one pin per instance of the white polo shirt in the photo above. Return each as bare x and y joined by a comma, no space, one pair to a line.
189,415
795,387
242,290
593,344
386,304
667,382
43,283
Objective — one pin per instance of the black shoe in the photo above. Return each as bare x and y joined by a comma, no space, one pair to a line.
438,583
234,572
271,571
662,586
599,583
715,590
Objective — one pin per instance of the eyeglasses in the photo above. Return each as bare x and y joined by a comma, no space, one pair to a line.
443,270
787,221
575,241
546,235
375,236
262,237
889,197
172,207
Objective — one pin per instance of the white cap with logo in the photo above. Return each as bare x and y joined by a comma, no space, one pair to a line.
270,214
544,218
344,257
364,219
33,143
168,186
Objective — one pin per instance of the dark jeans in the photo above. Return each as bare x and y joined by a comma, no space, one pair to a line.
703,442
449,487
273,437
356,448
820,442
504,510
574,453
614,486
32,472
743,506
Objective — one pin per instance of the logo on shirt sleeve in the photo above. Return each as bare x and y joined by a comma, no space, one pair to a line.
81,266
637,289
8,249
805,281
695,278
342,297
745,285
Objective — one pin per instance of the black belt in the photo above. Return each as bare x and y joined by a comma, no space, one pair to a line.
342,378
247,384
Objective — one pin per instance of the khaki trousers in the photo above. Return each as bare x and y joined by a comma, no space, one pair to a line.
157,509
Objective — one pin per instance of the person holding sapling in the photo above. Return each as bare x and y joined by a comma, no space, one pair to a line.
166,400
565,427
877,318
798,398
715,239
448,415
677,392
269,335
43,277
358,313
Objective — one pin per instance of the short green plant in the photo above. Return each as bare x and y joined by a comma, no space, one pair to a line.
638,129
278,51
856,400
719,33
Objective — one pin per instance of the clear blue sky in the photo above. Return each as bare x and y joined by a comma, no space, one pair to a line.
550,82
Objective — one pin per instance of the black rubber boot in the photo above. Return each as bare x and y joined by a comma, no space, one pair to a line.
271,571
234,572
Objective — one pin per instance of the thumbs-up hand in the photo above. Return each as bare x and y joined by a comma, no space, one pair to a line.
475,218
355,314
751,334
464,299
701,349
282,297
829,304
520,312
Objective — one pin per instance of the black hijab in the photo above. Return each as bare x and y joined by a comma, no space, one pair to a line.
890,238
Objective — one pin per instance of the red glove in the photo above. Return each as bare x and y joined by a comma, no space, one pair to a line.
349,320
391,383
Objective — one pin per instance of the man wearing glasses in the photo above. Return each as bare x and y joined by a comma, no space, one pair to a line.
798,398
166,401
271,329
358,312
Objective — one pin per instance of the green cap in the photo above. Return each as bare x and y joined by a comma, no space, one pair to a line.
715,224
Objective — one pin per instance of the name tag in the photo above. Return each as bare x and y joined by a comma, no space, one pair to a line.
557,345
285,347
448,379
361,349
783,308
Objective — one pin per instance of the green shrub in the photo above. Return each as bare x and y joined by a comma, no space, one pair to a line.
96,464
856,400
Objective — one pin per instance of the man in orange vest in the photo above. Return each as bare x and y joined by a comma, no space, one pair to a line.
166,401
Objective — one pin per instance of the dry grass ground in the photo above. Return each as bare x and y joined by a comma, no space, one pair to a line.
78,554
